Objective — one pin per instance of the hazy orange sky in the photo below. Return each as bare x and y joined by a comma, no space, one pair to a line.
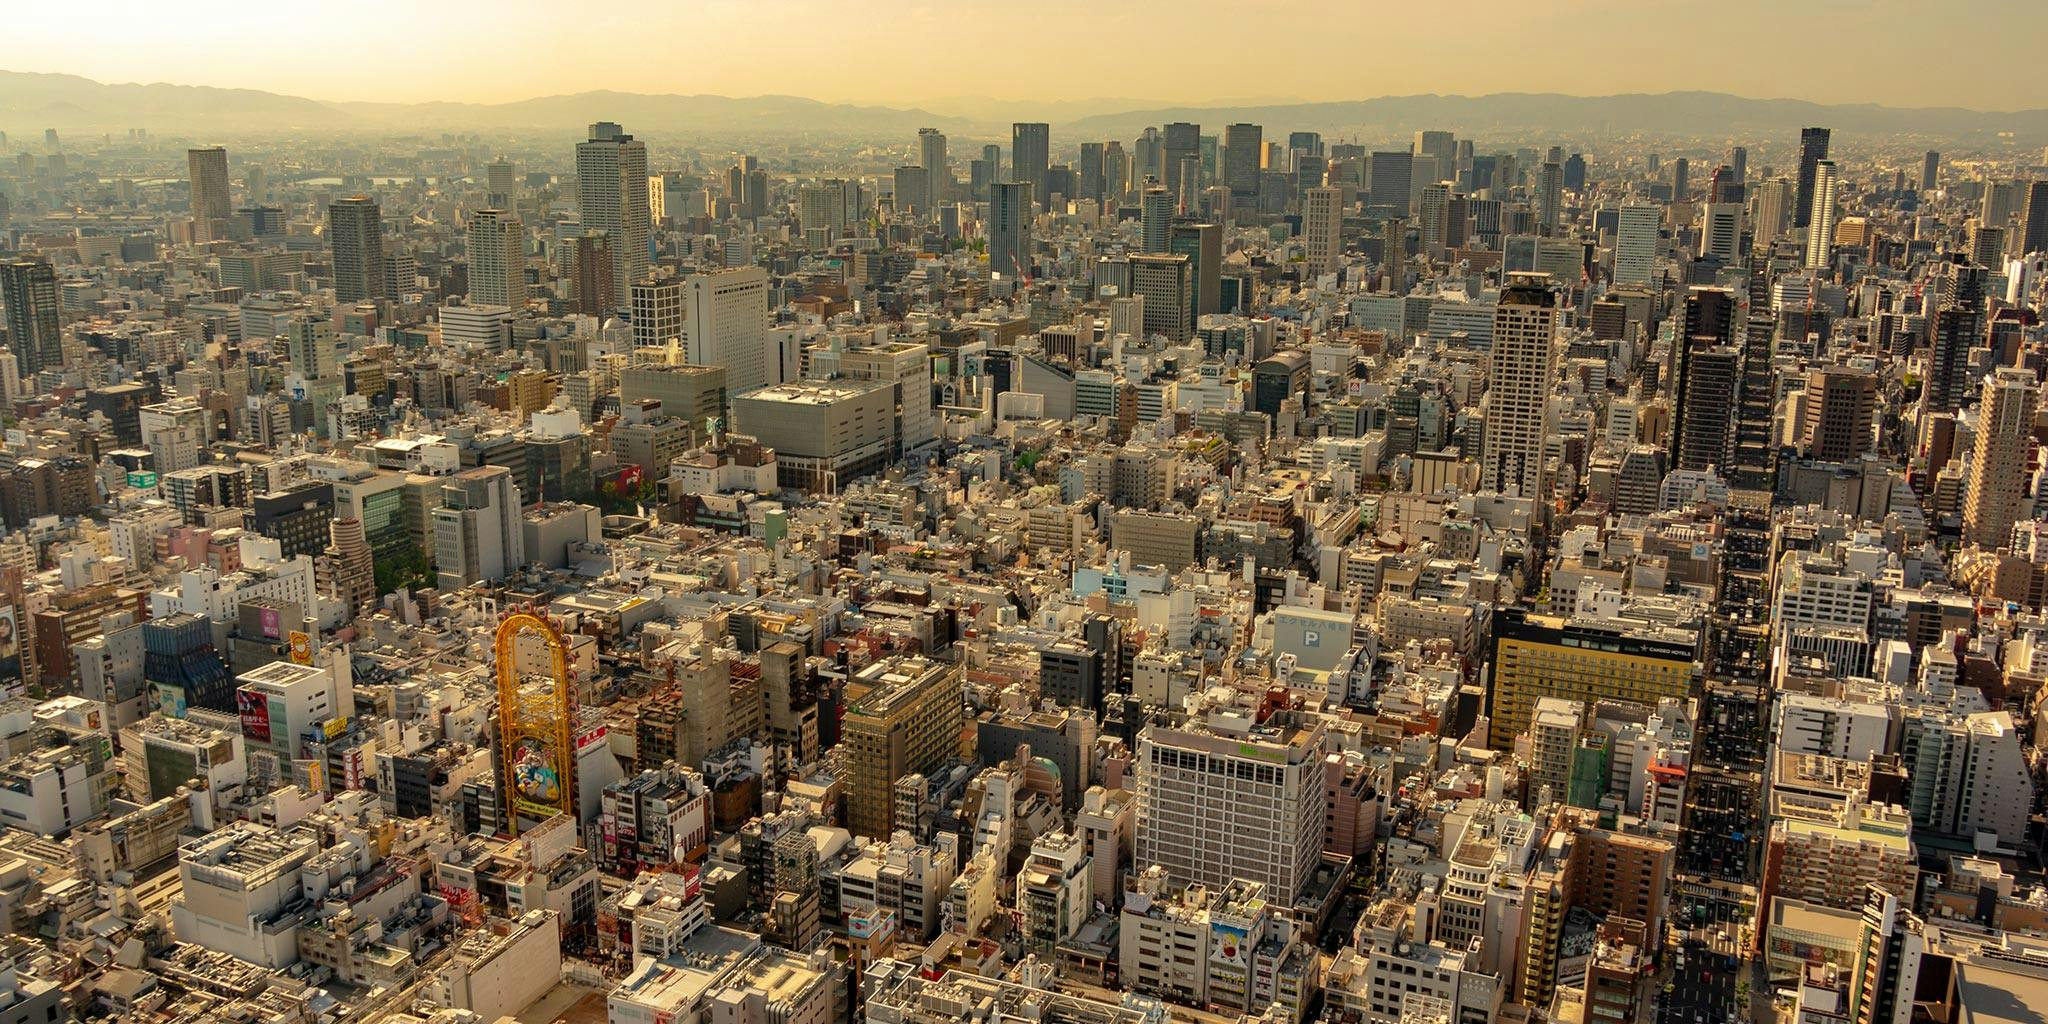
912,53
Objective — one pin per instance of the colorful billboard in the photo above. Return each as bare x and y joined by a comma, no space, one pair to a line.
255,711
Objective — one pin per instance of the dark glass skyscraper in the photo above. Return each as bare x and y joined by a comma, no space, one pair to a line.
1813,148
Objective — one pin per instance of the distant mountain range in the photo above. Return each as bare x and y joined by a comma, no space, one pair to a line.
1686,113
30,102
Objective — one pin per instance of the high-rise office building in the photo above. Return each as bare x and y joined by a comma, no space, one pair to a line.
1441,147
1813,148
478,528
1155,218
1636,230
588,264
2034,221
1709,394
902,717
1582,659
1998,463
1958,300
34,328
208,170
1202,244
726,324
1030,155
912,191
1167,284
611,196
657,313
501,181
1088,170
355,231
1774,199
1820,219
1388,181
1432,218
1009,228
1550,197
1524,360
497,259
1322,226
1681,179
1720,230
938,174
1181,142
1242,148
1204,826
1836,421
1930,170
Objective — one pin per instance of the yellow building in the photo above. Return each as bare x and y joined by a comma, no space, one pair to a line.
1538,656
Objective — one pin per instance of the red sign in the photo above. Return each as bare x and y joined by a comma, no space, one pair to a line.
255,711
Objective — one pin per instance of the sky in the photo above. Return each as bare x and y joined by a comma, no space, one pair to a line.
928,53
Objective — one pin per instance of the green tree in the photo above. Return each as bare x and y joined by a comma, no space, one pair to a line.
410,568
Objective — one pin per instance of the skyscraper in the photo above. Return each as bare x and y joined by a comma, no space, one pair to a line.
1930,170
2034,221
502,182
355,231
1524,360
1030,155
1635,244
29,290
611,193
1155,218
1820,219
1322,225
1009,228
1839,404
1182,141
208,169
1998,464
1202,244
1813,148
938,174
1388,181
1242,146
1774,200
1550,196
726,324
1720,230
1088,170
1203,828
497,259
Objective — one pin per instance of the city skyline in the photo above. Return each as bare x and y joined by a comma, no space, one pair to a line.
1594,48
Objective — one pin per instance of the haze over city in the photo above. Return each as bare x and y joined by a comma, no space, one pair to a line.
913,513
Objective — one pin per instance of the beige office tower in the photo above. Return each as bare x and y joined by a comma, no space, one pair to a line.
208,169
903,716
1322,224
725,323
1518,391
657,316
611,196
1998,464
355,234
1222,797
497,259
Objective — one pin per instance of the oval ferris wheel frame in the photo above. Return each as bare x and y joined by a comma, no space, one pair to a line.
529,715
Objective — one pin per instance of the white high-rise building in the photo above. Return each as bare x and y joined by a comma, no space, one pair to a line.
1518,391
478,530
1820,228
1156,219
1635,244
1721,231
1773,210
1322,222
497,259
611,196
1222,799
726,324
